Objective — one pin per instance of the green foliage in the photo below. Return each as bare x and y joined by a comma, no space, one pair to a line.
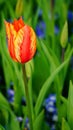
46,86
1,128
11,121
70,106
38,121
65,125
46,73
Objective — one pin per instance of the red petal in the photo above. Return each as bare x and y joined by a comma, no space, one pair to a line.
10,40
25,46
18,24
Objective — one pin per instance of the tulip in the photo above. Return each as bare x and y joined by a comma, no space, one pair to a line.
21,41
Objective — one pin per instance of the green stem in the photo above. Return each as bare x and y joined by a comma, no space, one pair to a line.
52,4
27,98
63,51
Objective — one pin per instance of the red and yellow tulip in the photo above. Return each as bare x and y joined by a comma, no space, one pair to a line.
21,41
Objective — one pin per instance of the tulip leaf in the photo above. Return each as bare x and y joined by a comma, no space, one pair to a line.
64,71
40,69
51,61
70,106
11,11
65,125
11,122
47,85
62,111
38,121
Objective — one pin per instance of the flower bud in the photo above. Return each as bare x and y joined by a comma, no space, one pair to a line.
64,35
19,8
21,41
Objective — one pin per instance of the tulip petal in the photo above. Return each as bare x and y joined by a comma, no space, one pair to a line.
18,24
10,35
33,42
18,42
11,42
21,41
25,46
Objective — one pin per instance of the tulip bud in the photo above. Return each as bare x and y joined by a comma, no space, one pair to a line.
64,35
29,66
19,7
21,41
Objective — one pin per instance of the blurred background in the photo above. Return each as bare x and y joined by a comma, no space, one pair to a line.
47,18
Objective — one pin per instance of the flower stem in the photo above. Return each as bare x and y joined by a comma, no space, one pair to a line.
52,4
27,98
63,51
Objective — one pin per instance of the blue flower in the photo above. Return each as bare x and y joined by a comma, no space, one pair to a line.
10,92
53,127
23,101
27,124
56,30
20,119
51,111
71,62
40,29
70,16
10,95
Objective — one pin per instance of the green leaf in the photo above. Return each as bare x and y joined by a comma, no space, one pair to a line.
10,9
65,125
67,50
11,122
1,2
47,85
38,121
51,61
64,35
64,71
62,111
1,128
70,106
41,66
